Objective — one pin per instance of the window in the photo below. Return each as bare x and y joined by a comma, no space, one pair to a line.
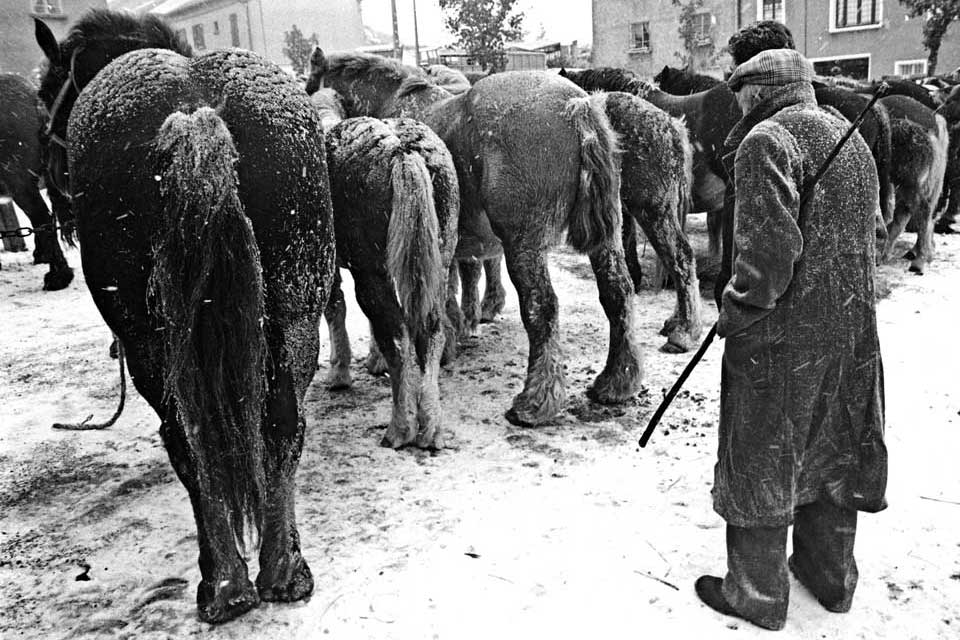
47,8
182,35
771,10
701,25
910,68
216,28
198,36
855,14
640,36
234,31
856,67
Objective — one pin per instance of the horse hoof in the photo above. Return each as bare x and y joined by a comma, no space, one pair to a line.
376,366
917,269
225,600
608,390
57,280
338,379
943,228
680,342
909,255
289,582
490,310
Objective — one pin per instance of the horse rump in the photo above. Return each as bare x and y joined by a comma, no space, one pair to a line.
207,285
596,215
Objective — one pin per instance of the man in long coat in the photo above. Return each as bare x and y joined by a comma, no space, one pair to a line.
801,409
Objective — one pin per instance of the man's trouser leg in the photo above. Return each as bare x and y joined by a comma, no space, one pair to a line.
822,560
757,584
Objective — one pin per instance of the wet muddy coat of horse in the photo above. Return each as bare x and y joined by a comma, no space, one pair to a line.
203,208
20,171
396,204
530,167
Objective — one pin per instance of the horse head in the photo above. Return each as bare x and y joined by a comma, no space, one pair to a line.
369,84
97,38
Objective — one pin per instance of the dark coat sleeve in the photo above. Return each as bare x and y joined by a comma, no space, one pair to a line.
767,239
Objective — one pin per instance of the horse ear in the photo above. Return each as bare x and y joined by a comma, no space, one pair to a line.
318,62
47,41
563,72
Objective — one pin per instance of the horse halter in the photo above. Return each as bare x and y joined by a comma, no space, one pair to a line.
59,177
58,102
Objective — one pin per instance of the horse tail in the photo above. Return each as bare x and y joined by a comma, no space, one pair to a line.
207,285
413,245
941,143
685,182
596,215
883,148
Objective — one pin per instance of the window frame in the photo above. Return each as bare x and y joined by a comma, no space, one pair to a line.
833,28
896,66
633,39
783,10
234,30
851,56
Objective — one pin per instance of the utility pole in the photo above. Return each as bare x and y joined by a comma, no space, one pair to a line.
416,32
397,52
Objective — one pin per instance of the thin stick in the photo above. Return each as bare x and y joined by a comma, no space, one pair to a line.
939,500
86,425
660,580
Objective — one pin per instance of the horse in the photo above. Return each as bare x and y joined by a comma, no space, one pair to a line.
395,205
920,141
20,172
711,114
203,207
683,82
949,205
531,162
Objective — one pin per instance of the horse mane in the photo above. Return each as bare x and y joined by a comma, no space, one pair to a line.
107,27
611,79
351,64
674,80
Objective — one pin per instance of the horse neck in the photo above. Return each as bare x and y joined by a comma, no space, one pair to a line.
364,95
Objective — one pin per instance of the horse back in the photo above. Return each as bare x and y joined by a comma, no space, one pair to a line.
906,108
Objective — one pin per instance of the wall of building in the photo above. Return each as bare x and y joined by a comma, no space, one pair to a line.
261,25
19,52
612,39
897,38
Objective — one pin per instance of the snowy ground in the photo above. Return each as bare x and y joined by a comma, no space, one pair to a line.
567,531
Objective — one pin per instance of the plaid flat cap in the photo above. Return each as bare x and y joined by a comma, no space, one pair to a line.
773,67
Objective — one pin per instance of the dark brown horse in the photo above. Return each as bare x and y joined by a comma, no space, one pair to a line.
20,171
529,167
682,82
203,209
396,204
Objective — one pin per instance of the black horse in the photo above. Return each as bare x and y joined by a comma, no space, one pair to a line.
203,208
20,171
682,82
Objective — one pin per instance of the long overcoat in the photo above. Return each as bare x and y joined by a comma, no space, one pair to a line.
802,414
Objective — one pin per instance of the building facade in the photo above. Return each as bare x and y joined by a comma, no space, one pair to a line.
19,52
861,39
260,26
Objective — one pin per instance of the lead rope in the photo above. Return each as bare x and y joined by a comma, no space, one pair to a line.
86,425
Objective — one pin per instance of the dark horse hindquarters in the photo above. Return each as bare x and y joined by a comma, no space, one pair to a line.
150,262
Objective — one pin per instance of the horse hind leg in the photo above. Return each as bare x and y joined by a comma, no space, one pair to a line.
631,252
415,416
284,574
470,270
494,295
340,356
544,390
663,230
621,376
453,317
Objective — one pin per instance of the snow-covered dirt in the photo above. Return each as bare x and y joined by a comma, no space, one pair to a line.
565,531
